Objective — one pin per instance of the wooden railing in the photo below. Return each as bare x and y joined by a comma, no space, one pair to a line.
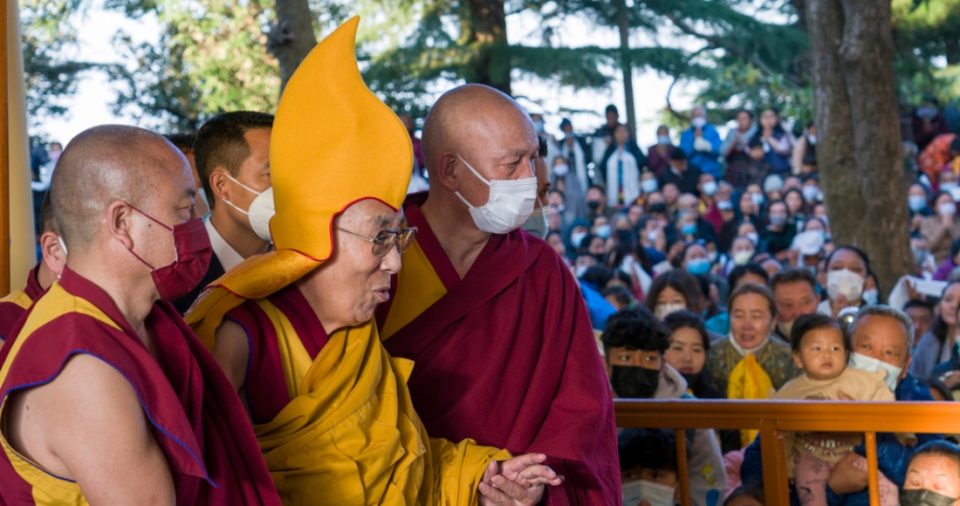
771,417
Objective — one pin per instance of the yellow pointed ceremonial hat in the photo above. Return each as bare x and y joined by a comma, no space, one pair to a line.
334,143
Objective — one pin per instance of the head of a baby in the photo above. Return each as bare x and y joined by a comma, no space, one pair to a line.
820,347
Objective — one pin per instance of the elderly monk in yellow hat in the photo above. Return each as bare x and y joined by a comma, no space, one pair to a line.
294,331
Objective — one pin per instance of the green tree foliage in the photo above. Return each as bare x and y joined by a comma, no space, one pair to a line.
212,57
216,55
711,35
927,41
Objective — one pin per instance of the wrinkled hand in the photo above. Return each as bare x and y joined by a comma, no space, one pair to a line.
519,481
846,477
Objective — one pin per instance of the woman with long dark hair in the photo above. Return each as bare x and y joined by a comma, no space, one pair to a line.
935,346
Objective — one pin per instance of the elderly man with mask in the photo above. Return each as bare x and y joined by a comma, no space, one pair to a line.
475,286
880,341
107,397
293,328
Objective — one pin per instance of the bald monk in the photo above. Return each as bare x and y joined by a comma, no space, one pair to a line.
294,329
107,397
53,258
490,314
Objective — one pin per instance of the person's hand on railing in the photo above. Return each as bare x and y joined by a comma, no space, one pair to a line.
519,481
846,477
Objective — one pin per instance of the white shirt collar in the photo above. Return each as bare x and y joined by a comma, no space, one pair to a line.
228,257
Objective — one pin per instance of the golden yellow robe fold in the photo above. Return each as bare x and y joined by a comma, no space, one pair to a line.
349,434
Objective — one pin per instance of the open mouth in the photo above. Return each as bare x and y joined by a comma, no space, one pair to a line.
382,295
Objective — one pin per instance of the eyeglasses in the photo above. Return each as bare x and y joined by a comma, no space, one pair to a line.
387,239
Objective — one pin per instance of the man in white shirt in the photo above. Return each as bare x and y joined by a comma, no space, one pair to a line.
233,158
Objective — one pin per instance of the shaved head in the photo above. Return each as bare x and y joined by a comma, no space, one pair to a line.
476,121
47,221
102,165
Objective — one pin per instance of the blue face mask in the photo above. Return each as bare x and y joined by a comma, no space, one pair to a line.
603,231
689,229
916,202
698,266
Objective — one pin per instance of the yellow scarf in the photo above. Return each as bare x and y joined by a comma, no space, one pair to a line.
748,380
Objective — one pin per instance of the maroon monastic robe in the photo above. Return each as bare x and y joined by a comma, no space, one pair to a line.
12,306
194,414
508,357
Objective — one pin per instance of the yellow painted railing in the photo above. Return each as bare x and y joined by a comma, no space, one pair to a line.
773,417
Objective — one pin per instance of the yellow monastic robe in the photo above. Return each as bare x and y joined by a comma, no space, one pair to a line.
350,435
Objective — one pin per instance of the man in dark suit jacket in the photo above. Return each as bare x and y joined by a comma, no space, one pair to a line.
233,159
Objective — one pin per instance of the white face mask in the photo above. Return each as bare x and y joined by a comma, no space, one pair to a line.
260,211
509,205
947,209
536,224
742,257
871,296
561,170
870,364
698,122
580,270
576,238
844,282
709,188
655,494
648,185
661,311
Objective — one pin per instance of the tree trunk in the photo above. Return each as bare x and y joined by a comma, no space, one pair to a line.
292,37
483,28
623,23
859,152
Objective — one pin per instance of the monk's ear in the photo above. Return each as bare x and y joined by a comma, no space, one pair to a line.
446,173
53,255
120,222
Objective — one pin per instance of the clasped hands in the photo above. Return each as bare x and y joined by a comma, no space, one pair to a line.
519,481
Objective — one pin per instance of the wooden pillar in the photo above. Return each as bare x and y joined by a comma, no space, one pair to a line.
4,154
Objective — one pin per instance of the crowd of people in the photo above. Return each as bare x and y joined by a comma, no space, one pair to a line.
709,271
